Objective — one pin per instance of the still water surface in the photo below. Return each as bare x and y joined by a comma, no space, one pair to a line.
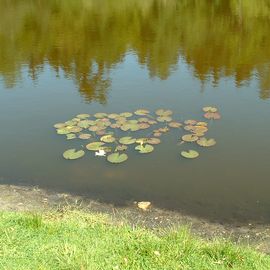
61,58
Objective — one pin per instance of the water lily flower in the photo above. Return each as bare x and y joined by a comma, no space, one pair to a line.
100,153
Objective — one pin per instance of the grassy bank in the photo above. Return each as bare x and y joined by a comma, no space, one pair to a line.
78,240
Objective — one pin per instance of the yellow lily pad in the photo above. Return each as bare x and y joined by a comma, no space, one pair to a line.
95,146
190,138
190,154
206,142
144,149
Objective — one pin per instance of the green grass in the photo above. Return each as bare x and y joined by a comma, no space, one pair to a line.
78,240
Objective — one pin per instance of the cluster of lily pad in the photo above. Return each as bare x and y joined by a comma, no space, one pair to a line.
102,132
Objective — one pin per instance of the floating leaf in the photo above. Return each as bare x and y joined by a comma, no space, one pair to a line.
190,122
75,129
143,125
115,125
157,134
63,131
190,154
101,132
142,140
84,124
189,138
143,120
188,127
85,136
162,112
154,141
117,157
126,114
152,122
71,136
206,142
174,124
95,146
107,138
141,112
210,109
127,140
100,115
205,124
60,125
95,128
83,115
71,123
144,149
164,119
199,129
214,116
73,154
121,147
163,130
113,115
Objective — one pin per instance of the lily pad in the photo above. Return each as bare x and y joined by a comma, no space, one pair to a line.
84,124
142,140
117,157
144,149
206,142
95,146
121,147
162,112
85,136
75,129
141,112
190,154
63,131
157,134
214,116
210,109
190,138
113,115
60,125
83,115
190,122
107,138
144,125
174,124
154,141
126,114
164,119
73,154
100,115
127,140
71,136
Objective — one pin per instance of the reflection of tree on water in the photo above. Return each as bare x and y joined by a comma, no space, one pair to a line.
224,38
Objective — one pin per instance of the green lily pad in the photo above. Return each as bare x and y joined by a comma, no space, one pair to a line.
113,115
107,138
75,129
73,154
206,142
126,114
60,125
83,115
141,112
63,131
85,136
164,119
84,124
162,112
190,138
100,115
143,126
174,124
190,122
71,123
210,109
145,149
95,146
71,136
121,147
190,154
127,140
117,157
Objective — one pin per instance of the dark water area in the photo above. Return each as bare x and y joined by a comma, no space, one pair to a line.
62,58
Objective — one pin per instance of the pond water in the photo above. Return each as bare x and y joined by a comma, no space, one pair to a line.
62,58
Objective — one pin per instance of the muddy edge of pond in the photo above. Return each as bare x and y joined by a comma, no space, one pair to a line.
23,198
